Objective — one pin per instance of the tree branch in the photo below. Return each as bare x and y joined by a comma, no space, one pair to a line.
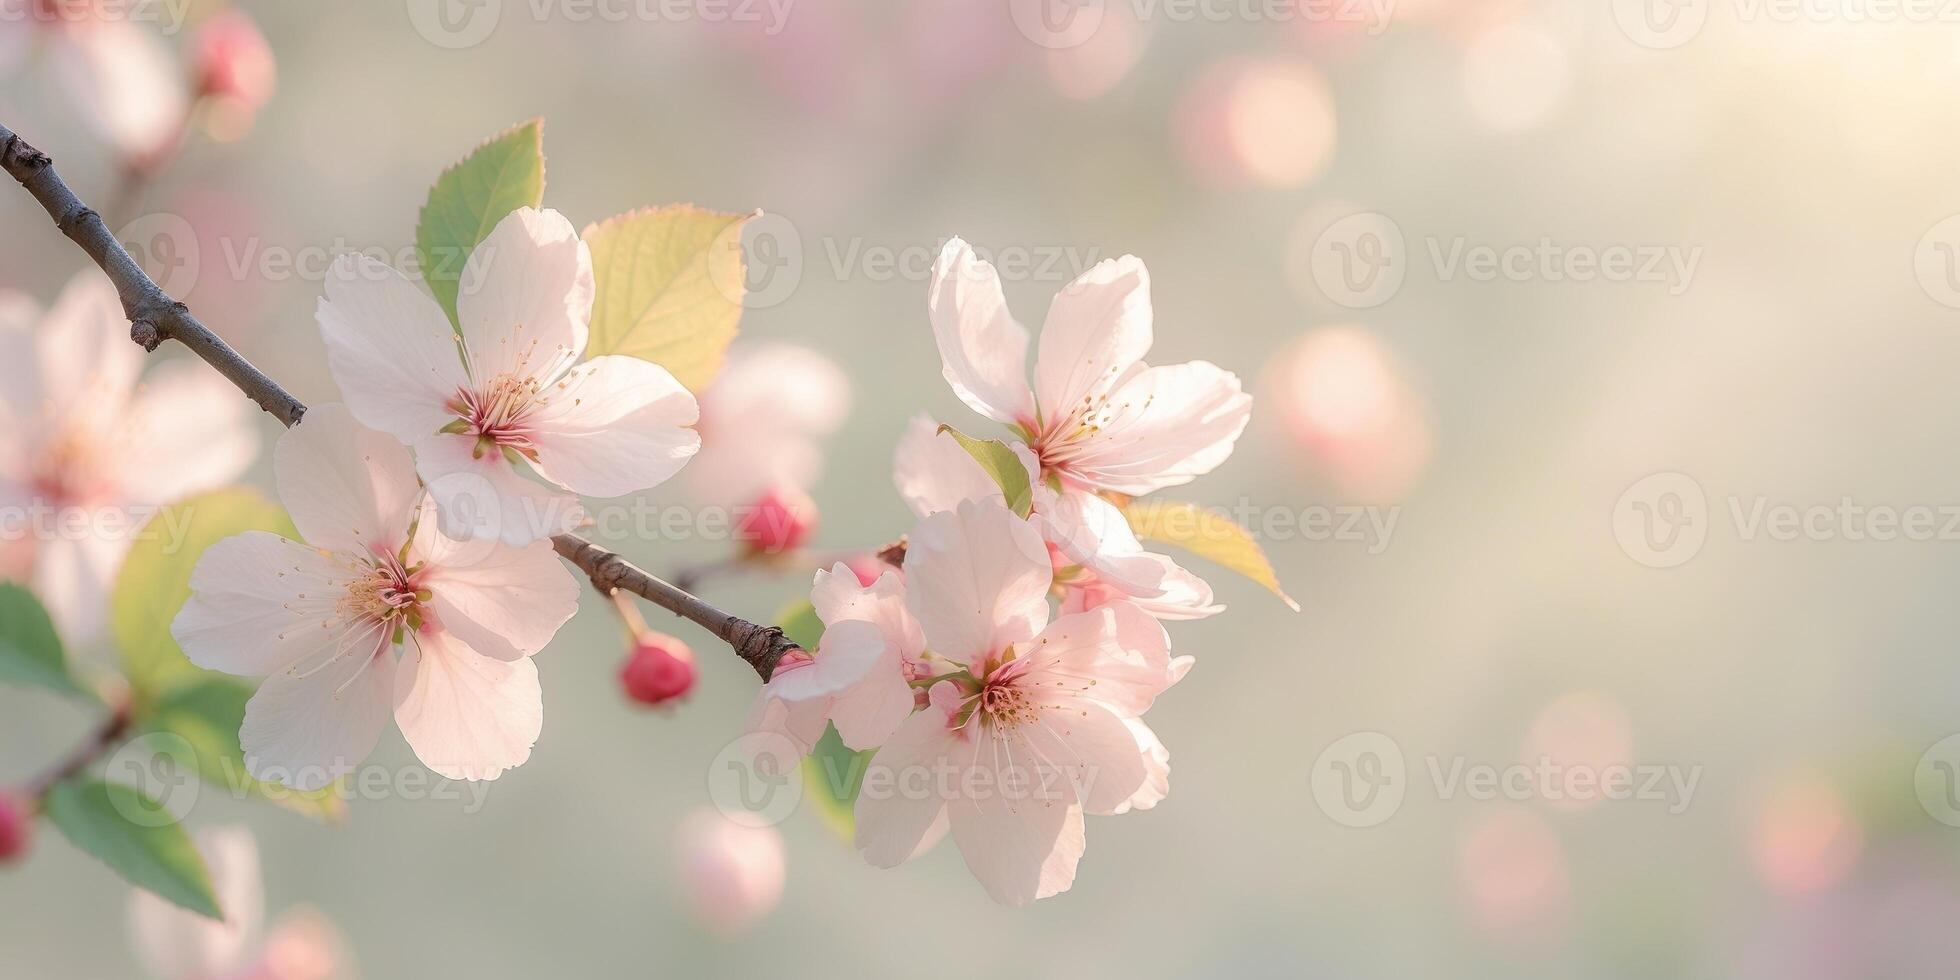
154,317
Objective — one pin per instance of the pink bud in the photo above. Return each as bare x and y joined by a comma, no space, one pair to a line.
231,61
733,873
867,568
16,826
780,521
659,669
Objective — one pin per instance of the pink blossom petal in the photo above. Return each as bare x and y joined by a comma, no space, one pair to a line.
467,716
615,425
1098,328
983,352
390,348
348,488
525,297
306,728
977,579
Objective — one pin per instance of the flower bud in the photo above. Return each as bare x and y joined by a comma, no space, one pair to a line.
778,522
659,669
16,825
867,568
232,65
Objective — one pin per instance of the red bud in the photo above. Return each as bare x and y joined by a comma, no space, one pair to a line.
659,669
780,521
16,827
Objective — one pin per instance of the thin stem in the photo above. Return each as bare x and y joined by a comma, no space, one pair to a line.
155,317
105,735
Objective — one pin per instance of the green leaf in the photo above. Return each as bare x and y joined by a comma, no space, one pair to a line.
670,287
467,201
799,622
206,713
1207,533
136,838
30,650
1002,465
156,578
832,775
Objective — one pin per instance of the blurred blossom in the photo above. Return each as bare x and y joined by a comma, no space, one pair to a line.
1261,121
175,944
1893,918
1514,872
805,61
122,76
16,827
1581,731
1803,835
732,873
763,422
952,45
778,521
1090,69
81,438
1346,400
1514,76
233,68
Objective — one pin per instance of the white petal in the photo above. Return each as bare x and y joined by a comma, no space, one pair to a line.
485,498
88,364
837,596
1157,769
1098,327
1084,744
867,713
467,716
306,728
188,430
125,80
900,798
1116,654
348,488
846,655
1166,426
976,579
260,604
982,351
801,723
615,425
933,473
176,944
390,348
525,297
504,602
73,577
1022,848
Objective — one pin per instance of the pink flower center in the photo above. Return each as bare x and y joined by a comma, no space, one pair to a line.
68,471
389,594
499,413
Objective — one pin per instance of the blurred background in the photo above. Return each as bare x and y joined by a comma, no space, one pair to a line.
1591,343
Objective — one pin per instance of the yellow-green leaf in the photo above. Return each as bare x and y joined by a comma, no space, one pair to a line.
1207,533
156,578
1002,465
136,838
832,775
467,201
670,286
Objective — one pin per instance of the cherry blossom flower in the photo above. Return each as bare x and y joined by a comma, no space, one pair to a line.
764,420
121,76
323,621
1096,416
82,437
732,872
860,676
607,427
1096,557
1042,726
174,944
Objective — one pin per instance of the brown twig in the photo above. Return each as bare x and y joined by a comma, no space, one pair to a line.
155,317
98,742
